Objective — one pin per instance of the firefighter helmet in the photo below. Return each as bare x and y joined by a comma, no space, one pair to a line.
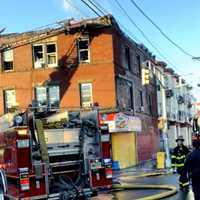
180,137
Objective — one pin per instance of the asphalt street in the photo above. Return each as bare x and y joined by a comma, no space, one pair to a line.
157,180
154,180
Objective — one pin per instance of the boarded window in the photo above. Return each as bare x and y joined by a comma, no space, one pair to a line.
8,60
86,94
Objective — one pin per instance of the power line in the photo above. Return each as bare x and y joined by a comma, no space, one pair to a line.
105,12
101,7
144,35
102,12
161,31
91,8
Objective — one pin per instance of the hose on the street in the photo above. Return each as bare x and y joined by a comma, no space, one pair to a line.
171,190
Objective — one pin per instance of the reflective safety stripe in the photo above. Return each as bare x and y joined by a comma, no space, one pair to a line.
173,165
180,157
180,165
183,184
173,156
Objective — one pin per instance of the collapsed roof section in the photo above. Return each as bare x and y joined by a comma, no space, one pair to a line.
14,40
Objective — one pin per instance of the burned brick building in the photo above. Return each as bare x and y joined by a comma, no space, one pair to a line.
81,64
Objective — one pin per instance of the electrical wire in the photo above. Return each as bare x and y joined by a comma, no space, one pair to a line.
91,8
97,7
161,31
144,35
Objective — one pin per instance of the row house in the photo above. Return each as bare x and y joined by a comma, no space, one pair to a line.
78,65
176,106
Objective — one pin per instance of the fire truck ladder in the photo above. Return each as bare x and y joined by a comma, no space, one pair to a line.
42,142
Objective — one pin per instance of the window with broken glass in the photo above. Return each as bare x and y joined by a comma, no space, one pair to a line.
45,55
7,60
83,50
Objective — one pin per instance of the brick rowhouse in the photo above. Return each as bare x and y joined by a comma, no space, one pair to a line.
111,66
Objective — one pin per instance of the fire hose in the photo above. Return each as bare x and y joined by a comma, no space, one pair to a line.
171,190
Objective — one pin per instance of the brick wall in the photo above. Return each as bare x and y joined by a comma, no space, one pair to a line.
99,71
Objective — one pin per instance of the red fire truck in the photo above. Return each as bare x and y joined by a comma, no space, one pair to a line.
53,155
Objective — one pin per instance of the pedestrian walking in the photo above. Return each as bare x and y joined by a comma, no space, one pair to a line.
178,161
192,167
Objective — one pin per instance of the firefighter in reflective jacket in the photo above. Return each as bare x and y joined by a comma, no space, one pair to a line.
192,167
178,159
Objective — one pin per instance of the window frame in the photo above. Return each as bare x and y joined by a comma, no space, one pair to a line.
141,98
56,55
6,108
45,55
127,56
34,60
84,38
138,61
48,95
91,94
47,100
3,61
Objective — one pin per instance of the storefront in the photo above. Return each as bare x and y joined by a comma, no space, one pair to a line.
123,129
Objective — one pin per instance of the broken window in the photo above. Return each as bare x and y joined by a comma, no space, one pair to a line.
86,94
124,94
141,98
8,60
127,58
9,99
38,51
139,65
45,54
51,54
83,49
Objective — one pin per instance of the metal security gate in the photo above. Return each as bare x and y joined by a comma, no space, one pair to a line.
124,149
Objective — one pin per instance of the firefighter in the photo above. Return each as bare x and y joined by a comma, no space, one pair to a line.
178,159
192,166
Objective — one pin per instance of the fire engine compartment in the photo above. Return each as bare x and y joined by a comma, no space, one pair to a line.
55,155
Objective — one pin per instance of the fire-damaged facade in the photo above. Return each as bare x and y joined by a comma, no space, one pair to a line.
82,64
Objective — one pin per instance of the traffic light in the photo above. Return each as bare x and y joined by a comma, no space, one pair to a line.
145,76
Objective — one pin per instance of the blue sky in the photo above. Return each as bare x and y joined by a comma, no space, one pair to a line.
178,18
